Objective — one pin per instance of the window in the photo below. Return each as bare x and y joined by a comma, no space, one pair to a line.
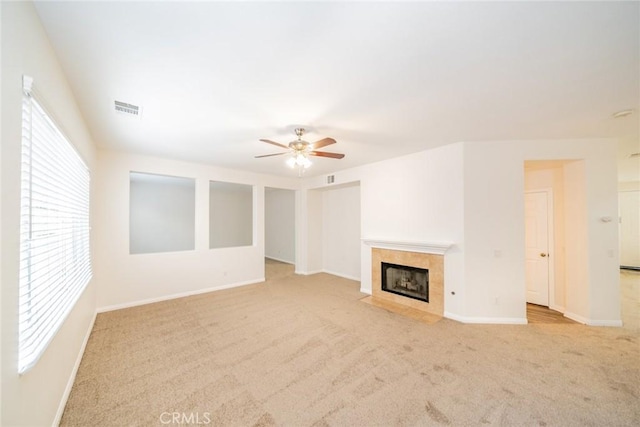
55,262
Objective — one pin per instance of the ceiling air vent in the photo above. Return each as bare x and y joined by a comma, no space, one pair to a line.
128,109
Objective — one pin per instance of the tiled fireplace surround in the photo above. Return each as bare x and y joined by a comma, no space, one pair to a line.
421,255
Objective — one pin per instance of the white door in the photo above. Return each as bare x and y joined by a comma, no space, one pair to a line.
629,203
537,247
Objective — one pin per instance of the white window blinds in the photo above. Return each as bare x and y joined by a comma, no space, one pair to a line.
55,262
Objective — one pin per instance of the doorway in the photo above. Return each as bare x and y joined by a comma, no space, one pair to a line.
553,245
565,253
629,206
331,231
279,231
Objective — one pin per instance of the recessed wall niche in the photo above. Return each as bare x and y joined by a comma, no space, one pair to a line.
230,215
161,213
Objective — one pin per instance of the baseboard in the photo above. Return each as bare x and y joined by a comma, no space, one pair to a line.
487,320
308,273
612,323
279,260
174,296
344,276
74,372
576,317
365,291
333,273
590,322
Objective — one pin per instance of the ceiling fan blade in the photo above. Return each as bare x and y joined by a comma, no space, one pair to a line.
269,155
326,154
323,143
277,144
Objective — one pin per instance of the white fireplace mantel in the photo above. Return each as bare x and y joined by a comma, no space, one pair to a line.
438,248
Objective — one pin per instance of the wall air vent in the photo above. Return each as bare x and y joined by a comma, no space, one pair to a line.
331,179
128,109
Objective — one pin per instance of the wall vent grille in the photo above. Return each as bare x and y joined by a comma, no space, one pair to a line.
129,109
331,179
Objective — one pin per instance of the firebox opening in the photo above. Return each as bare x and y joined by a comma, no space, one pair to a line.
412,282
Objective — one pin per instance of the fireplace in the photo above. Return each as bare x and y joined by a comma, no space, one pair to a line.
428,259
412,282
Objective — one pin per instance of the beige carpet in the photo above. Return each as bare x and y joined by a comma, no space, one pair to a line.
303,351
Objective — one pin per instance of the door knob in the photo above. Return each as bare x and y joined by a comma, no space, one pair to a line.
543,255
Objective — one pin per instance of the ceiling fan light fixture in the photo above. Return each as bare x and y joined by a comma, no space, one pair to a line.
300,160
299,151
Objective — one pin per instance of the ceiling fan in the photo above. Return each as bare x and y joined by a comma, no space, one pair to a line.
300,150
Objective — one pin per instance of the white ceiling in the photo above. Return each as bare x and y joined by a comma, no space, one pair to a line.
382,78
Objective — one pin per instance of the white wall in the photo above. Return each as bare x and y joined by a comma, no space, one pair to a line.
231,214
123,279
329,229
603,244
576,254
494,229
416,197
472,195
280,224
341,231
35,397
313,233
